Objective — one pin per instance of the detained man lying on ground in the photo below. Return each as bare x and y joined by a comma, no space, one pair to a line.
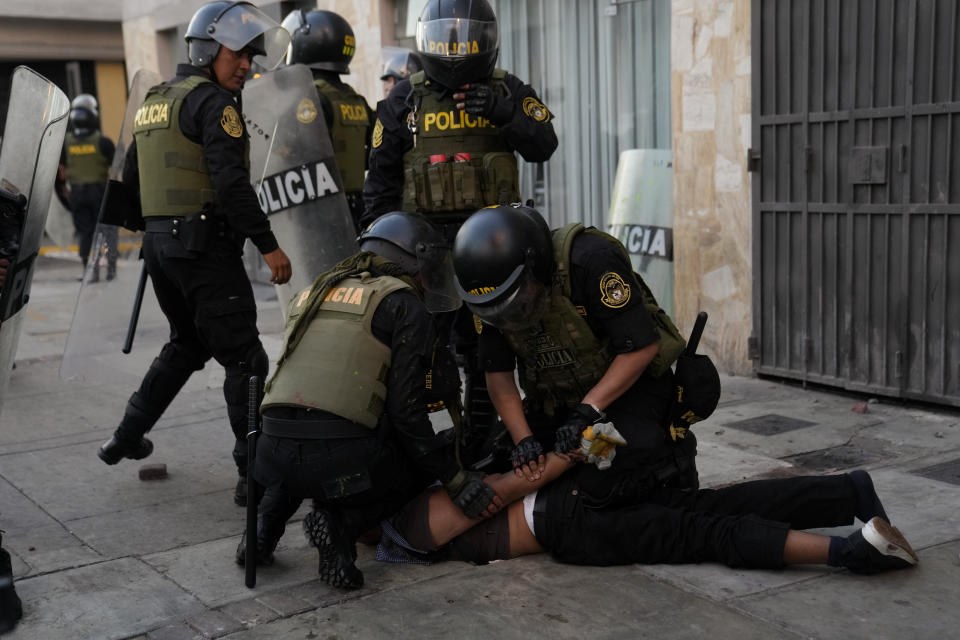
754,524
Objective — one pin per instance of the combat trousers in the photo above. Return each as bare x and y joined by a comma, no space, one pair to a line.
85,207
744,525
209,303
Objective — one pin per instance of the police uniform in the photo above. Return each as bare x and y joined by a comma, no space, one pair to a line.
191,149
349,121
418,123
345,417
87,160
605,313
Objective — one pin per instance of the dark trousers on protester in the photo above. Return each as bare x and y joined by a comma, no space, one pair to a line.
743,525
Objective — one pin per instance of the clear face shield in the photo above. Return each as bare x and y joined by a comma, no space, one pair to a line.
457,38
435,265
294,20
242,25
516,305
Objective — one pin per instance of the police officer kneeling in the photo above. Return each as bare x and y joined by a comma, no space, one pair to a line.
590,341
345,415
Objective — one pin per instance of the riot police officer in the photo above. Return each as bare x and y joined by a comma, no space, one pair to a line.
566,308
399,65
324,41
87,157
346,415
445,137
190,150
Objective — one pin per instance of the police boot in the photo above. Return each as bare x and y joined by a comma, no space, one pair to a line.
11,610
324,530
128,441
264,552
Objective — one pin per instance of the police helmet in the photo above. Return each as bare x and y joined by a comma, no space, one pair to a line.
236,26
458,41
86,101
84,116
401,64
410,241
503,259
320,39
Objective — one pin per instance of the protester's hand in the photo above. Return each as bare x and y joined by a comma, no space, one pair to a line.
475,497
481,100
528,459
569,435
279,263
4,263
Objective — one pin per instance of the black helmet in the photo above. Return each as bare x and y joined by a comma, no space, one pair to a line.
320,39
237,26
458,41
410,241
401,64
503,259
84,115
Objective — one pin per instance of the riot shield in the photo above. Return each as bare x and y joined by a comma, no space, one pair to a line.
29,154
294,172
108,294
59,226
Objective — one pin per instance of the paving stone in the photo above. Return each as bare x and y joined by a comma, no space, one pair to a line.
285,604
250,612
179,631
215,624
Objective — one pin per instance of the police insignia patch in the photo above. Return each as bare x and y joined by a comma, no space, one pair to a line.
377,134
614,292
535,109
477,324
230,121
306,111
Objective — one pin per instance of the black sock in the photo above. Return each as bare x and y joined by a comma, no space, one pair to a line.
837,546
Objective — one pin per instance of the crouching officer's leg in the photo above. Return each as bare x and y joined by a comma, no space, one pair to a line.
235,389
163,381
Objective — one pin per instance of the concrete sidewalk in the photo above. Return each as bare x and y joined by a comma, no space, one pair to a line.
100,554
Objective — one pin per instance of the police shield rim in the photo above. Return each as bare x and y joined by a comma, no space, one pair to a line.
29,155
293,170
102,315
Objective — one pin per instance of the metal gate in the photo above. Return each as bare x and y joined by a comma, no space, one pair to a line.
856,194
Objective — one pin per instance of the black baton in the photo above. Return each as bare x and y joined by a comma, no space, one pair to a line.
694,340
253,409
135,312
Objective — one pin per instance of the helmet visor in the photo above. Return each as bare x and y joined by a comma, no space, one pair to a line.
457,37
521,306
243,25
436,274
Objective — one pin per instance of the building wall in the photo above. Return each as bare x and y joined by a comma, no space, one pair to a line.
710,85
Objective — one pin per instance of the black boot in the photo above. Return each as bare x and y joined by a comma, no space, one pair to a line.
324,530
264,552
11,610
114,450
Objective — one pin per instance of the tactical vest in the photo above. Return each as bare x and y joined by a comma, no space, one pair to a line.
452,183
175,180
85,163
338,366
562,359
349,133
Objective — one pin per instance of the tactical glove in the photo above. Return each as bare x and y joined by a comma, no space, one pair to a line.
469,492
527,450
568,436
481,100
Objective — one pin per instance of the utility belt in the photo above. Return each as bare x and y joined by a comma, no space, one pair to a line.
329,428
197,231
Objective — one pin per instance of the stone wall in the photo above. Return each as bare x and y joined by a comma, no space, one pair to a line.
710,84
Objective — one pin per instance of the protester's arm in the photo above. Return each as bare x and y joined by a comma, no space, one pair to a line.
447,521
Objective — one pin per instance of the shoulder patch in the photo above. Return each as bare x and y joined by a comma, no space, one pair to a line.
377,137
230,121
535,109
306,111
477,324
614,292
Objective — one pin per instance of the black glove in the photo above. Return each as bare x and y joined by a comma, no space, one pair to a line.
569,435
469,492
527,450
480,100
